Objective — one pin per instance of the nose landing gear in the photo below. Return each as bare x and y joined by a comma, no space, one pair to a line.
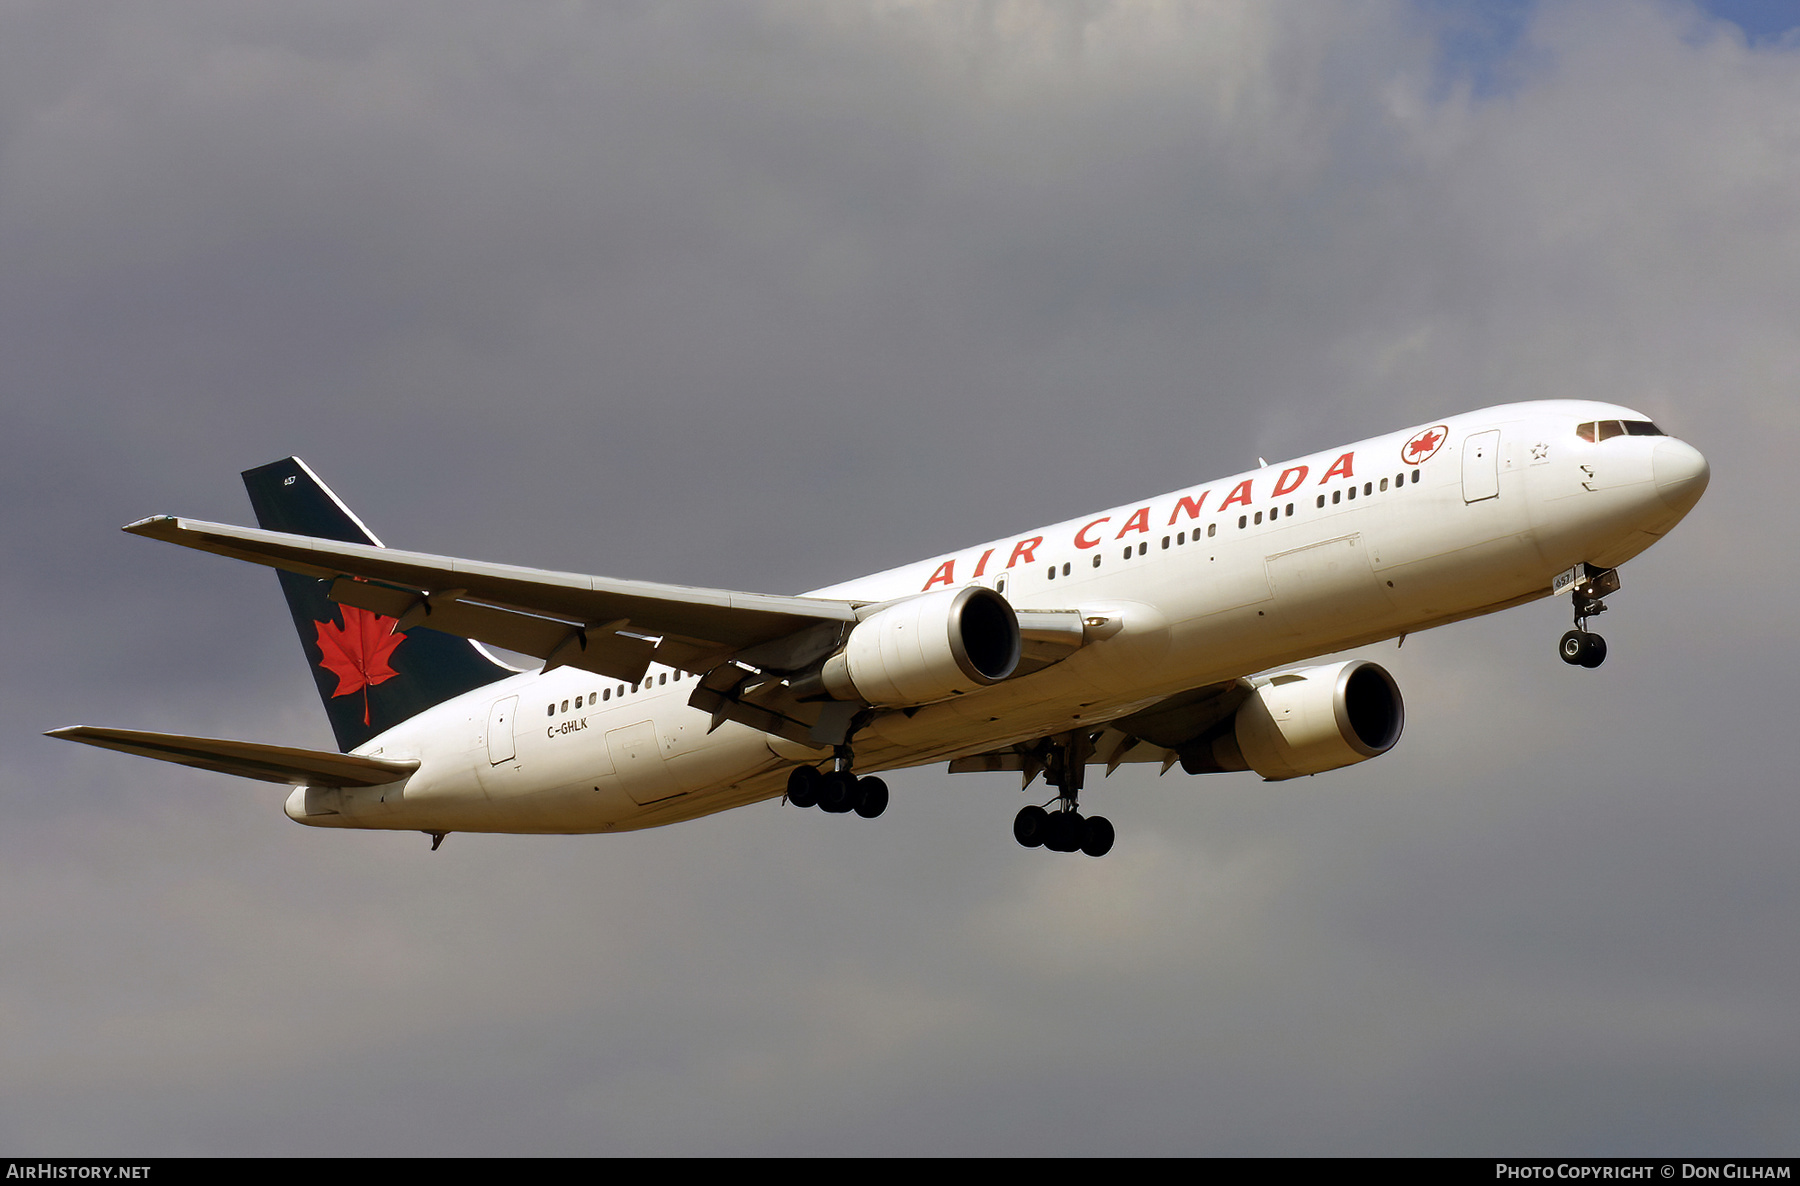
1582,649
1065,829
1586,584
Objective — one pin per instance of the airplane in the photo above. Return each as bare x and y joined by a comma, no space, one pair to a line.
1175,630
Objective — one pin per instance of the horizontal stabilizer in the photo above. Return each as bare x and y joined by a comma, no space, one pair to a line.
246,759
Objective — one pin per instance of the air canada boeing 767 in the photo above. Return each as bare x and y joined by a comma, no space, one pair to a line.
1175,630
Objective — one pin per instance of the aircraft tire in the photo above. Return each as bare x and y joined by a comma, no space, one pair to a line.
1596,651
1064,832
837,791
1030,825
803,786
871,797
1097,836
1573,647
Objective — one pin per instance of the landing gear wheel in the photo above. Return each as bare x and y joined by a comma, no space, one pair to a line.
803,786
837,792
1596,651
1096,836
1031,825
1064,833
1581,649
1573,647
872,797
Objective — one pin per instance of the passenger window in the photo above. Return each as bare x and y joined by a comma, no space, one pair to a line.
1144,548
1127,551
1368,487
1337,496
1243,520
1180,538
606,694
577,702
1065,568
1212,529
1259,516
565,706
1384,485
550,711
1165,543
1290,510
1321,502
1415,477
1274,513
1053,572
1096,560
1352,492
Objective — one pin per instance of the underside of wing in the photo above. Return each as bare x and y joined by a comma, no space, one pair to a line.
246,759
1160,733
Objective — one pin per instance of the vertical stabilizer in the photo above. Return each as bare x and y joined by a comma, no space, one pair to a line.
369,677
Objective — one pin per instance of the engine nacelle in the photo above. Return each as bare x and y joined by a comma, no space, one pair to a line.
1307,722
926,648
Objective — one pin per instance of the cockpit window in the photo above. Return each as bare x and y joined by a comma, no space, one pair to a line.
1600,430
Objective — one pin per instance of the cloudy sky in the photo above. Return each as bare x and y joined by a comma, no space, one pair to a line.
766,295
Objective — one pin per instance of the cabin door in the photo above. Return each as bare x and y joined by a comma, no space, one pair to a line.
1481,466
500,730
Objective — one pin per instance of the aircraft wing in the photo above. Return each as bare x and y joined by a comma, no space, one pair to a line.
246,759
613,627
1159,733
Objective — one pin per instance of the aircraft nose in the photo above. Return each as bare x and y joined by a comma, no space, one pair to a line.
1681,474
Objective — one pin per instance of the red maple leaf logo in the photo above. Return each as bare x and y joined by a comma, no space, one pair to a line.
357,652
1424,445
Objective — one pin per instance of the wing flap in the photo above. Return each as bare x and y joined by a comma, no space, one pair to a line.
246,759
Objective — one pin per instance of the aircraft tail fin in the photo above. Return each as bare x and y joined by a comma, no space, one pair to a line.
370,676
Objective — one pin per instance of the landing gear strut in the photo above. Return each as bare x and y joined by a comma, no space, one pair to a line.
837,791
1065,829
1579,647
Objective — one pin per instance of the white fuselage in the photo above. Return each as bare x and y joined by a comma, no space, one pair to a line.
1348,546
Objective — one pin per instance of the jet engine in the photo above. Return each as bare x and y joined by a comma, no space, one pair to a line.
926,648
1306,722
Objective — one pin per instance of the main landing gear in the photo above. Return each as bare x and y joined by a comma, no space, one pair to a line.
1065,829
1579,647
837,791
